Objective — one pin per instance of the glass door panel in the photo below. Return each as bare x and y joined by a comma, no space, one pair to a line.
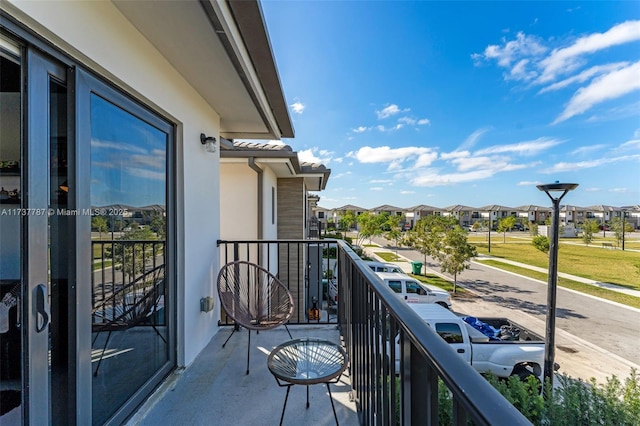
128,201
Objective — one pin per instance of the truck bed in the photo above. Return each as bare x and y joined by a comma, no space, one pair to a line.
525,334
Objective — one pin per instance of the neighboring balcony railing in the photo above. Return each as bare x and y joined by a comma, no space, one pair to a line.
369,315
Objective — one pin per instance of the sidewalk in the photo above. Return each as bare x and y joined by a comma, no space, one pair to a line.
608,286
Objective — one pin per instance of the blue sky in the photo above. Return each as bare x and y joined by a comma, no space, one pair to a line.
472,103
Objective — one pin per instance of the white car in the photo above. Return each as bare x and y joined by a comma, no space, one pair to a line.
384,267
414,291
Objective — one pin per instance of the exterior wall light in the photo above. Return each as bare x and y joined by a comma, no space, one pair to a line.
209,143
550,331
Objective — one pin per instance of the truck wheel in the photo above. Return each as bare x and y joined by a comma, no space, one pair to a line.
524,373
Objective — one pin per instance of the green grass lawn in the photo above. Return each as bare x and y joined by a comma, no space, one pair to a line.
388,256
443,284
592,262
574,285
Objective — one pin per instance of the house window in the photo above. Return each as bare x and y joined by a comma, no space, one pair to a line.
320,215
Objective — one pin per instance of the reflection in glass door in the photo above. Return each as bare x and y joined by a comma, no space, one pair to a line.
129,291
10,235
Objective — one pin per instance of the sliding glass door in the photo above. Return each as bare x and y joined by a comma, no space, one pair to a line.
85,244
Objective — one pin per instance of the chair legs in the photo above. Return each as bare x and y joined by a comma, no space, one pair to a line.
104,348
248,349
249,342
284,406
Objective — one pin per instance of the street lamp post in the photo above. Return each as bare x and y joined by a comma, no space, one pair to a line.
549,348
490,226
624,215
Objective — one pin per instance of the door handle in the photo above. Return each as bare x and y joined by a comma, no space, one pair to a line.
42,308
460,351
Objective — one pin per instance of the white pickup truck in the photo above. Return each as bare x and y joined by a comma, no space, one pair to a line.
413,291
503,348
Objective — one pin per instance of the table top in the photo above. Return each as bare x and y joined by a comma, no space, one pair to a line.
307,361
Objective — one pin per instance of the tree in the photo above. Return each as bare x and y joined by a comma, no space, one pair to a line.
427,234
589,228
505,225
395,230
541,242
533,228
158,225
616,227
99,223
455,253
371,225
347,221
129,254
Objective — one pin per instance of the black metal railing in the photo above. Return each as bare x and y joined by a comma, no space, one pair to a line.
370,317
307,268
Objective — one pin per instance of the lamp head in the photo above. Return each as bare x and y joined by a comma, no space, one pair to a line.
557,186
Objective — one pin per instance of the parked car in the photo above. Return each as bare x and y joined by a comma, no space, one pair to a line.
519,227
384,267
490,345
413,291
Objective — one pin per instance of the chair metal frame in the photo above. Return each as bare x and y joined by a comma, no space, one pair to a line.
253,298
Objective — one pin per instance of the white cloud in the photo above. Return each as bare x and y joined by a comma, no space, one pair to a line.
609,86
512,51
298,107
584,76
473,138
424,122
455,154
405,192
529,183
581,165
619,190
315,155
523,148
360,129
394,156
587,149
376,188
567,59
387,181
434,178
390,110
632,144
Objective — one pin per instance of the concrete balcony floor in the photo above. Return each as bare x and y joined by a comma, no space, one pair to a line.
214,389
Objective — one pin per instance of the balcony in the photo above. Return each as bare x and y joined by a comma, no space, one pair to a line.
214,389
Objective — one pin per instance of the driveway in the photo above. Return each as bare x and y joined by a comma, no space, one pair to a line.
594,337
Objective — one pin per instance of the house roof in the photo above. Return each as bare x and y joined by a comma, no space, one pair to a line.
282,159
222,49
457,208
423,207
493,207
531,208
348,207
602,208
386,208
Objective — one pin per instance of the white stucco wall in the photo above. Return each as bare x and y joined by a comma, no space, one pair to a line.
238,192
98,34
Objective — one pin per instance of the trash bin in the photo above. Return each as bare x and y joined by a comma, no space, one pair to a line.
416,267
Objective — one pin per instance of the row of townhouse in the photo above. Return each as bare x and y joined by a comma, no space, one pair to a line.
129,109
467,215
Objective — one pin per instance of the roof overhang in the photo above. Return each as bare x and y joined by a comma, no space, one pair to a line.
222,49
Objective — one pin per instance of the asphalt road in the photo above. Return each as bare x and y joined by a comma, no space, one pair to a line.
601,338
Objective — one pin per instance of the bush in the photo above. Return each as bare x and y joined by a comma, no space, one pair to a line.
573,402
541,242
